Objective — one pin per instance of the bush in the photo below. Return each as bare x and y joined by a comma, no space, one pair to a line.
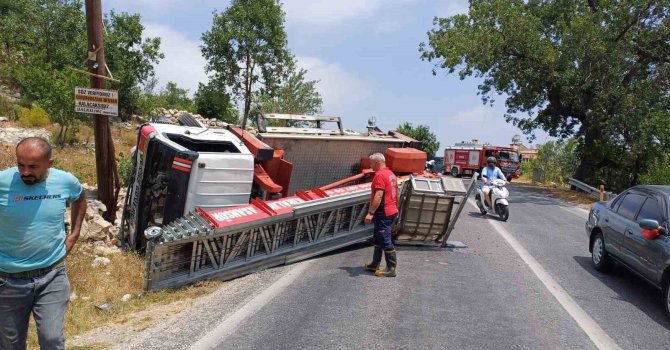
556,162
6,108
35,117
124,165
658,172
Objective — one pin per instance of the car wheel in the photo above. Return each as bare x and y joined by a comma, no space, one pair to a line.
599,256
666,297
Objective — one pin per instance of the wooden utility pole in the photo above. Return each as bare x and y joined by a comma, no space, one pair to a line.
105,163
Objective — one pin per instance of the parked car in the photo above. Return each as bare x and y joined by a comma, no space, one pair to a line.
632,230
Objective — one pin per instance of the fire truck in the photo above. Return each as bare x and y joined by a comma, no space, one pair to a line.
466,158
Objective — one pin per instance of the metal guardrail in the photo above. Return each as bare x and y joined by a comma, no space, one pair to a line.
594,192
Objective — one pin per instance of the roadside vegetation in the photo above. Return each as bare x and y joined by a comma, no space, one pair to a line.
595,71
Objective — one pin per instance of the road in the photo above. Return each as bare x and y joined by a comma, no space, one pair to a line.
524,284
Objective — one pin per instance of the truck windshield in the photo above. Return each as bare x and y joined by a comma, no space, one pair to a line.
508,156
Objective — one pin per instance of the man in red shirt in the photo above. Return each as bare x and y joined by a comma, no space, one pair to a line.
383,210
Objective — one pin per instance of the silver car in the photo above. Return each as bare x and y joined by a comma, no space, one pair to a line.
632,230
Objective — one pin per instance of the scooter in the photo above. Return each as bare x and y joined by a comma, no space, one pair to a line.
499,195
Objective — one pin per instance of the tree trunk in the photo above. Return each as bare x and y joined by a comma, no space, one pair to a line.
247,107
60,138
587,159
247,92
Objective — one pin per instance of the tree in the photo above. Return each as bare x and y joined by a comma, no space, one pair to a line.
246,49
597,70
429,143
294,96
175,97
212,101
130,58
53,33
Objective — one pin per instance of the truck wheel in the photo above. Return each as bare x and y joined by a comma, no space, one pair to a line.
188,120
599,256
454,172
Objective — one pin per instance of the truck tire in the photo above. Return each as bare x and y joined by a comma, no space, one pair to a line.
599,256
188,120
454,172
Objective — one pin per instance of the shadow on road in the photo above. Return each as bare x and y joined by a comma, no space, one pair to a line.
356,271
630,289
477,215
528,195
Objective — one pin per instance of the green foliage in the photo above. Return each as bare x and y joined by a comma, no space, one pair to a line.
54,91
246,49
429,143
40,39
595,70
130,58
125,166
175,97
35,117
658,172
170,96
294,96
556,161
214,102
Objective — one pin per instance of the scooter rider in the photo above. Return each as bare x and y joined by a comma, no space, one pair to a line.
492,172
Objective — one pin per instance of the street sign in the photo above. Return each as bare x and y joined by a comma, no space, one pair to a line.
96,101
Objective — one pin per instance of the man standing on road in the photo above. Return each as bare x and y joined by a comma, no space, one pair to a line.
33,245
383,210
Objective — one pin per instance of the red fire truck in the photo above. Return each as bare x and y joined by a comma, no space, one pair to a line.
467,158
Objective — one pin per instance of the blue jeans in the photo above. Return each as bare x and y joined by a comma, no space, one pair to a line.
46,297
383,230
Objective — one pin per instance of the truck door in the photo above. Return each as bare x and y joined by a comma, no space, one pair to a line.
646,255
620,220
474,159
449,160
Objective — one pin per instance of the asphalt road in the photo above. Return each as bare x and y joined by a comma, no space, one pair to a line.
485,296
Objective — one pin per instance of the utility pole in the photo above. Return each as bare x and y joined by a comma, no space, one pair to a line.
105,163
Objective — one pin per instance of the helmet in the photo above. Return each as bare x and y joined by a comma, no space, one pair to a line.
490,160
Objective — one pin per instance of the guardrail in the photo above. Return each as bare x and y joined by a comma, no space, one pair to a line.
598,193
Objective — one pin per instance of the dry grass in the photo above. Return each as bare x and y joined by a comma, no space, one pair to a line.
564,193
108,284
79,160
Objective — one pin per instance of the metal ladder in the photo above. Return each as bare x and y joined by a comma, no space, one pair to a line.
230,242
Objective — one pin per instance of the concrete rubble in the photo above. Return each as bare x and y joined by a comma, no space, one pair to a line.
173,116
11,136
95,230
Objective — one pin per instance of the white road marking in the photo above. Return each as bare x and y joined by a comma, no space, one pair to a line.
597,335
230,324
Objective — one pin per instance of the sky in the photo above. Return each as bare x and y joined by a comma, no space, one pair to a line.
363,52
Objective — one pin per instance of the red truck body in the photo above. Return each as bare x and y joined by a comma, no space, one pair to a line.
466,159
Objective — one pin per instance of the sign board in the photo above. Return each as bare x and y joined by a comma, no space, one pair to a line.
96,101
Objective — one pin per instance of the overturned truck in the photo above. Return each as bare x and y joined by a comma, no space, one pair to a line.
215,203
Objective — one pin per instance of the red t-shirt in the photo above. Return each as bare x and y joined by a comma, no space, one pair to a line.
386,181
